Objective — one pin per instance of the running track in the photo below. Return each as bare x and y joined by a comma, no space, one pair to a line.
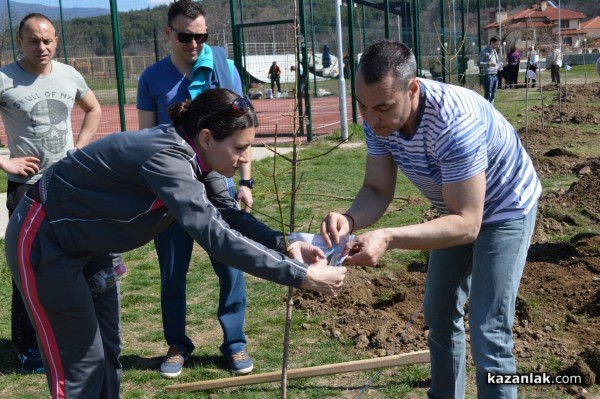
274,115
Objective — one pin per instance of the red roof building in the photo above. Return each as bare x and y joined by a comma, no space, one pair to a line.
591,28
542,24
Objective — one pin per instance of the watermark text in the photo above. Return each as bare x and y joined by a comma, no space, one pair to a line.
533,379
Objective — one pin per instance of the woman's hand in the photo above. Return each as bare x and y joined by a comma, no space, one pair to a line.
305,252
323,278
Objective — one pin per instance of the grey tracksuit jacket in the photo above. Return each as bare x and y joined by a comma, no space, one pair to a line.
117,193
112,196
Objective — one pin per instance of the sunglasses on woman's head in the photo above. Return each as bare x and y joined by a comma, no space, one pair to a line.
185,38
240,106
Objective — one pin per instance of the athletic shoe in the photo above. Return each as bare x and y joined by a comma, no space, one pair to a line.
31,362
171,367
240,363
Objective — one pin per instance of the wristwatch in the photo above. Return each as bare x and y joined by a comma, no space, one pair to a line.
248,183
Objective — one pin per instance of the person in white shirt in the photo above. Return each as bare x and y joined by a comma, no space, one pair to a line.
555,65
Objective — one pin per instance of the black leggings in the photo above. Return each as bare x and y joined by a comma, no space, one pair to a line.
555,73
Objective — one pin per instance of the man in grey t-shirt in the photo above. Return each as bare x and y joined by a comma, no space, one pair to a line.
36,99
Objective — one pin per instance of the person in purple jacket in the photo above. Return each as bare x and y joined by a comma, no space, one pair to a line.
513,60
117,194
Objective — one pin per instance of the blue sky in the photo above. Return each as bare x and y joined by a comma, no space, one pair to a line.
122,5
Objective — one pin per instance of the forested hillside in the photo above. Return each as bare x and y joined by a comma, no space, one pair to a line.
138,27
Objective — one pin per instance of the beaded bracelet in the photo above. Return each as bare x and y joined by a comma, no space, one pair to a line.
352,219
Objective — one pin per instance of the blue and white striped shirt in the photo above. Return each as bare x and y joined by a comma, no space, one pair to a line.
458,136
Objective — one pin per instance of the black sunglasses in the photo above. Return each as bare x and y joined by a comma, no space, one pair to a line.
185,38
240,106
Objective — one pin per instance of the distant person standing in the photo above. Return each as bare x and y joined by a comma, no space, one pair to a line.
37,96
530,77
555,64
301,78
513,60
347,70
489,63
275,76
326,57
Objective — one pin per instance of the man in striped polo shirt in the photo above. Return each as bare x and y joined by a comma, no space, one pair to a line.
466,158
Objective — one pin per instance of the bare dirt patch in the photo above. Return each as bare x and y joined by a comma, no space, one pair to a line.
557,326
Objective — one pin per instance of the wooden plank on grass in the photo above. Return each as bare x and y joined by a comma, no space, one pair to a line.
328,369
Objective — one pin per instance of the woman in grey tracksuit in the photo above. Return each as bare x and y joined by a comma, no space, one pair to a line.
116,194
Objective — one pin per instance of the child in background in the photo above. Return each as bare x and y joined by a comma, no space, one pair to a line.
530,77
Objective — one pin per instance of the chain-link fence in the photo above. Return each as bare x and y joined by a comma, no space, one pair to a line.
89,34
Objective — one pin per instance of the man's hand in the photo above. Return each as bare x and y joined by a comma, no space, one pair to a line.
23,166
333,226
244,196
305,252
323,278
366,249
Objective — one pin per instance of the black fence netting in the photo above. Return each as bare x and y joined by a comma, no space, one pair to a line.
111,43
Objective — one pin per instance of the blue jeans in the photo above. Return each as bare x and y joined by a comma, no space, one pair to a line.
174,248
231,187
490,85
488,271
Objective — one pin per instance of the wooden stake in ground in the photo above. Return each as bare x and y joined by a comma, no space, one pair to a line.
329,369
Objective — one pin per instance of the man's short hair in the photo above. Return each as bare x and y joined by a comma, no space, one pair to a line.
33,15
383,57
187,8
494,39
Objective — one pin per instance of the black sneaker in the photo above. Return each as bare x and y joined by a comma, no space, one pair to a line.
31,362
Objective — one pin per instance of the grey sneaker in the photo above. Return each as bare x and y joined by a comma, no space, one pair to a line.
240,363
171,367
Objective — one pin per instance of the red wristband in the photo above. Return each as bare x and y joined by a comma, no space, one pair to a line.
352,219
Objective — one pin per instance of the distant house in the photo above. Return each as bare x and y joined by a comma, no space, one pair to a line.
540,24
592,31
